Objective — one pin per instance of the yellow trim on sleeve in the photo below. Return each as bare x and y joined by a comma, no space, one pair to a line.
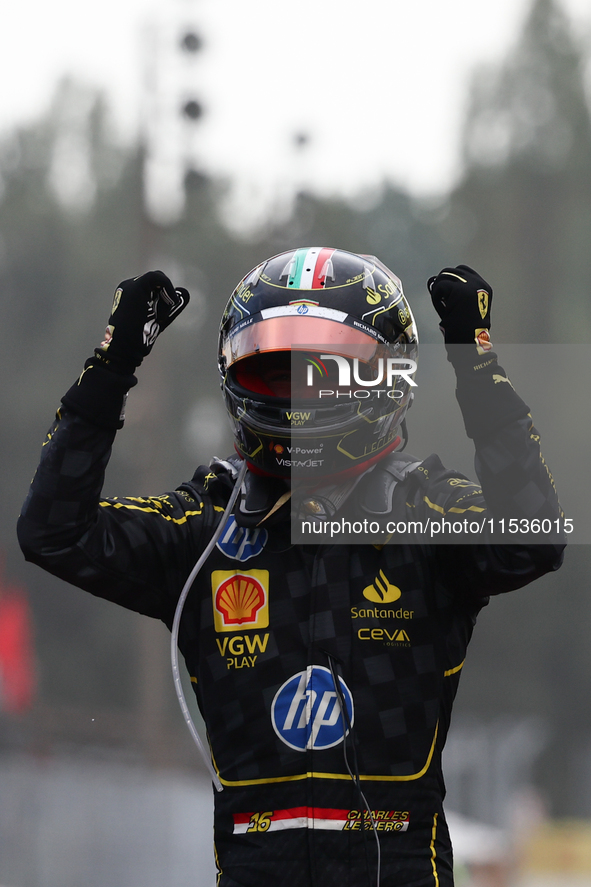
152,506
146,509
455,510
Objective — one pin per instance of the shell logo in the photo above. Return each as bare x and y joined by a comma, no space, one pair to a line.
240,600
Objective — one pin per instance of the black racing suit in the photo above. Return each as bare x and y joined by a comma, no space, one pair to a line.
271,631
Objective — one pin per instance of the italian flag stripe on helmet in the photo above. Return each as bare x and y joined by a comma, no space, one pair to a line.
309,268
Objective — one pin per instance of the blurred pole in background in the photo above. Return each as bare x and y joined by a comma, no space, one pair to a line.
171,109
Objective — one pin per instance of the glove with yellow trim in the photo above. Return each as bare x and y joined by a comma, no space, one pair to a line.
142,308
488,401
463,300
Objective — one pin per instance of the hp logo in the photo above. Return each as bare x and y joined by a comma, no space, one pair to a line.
240,543
306,711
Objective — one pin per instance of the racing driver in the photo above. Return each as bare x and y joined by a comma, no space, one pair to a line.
325,672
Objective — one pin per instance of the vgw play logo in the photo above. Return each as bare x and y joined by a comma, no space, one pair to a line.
388,370
306,711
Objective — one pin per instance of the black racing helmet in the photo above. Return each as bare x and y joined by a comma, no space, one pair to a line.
311,315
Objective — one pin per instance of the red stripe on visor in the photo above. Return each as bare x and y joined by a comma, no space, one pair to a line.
295,333
323,268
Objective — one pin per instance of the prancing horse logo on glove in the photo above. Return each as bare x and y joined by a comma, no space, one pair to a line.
483,298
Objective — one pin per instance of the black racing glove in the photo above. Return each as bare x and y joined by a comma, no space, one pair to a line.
463,300
142,308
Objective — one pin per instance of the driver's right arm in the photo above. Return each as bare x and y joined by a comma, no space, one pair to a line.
136,552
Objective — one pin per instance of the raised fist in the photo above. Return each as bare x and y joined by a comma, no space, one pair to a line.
463,301
142,308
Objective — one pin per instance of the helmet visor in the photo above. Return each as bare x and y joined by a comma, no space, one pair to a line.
295,333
